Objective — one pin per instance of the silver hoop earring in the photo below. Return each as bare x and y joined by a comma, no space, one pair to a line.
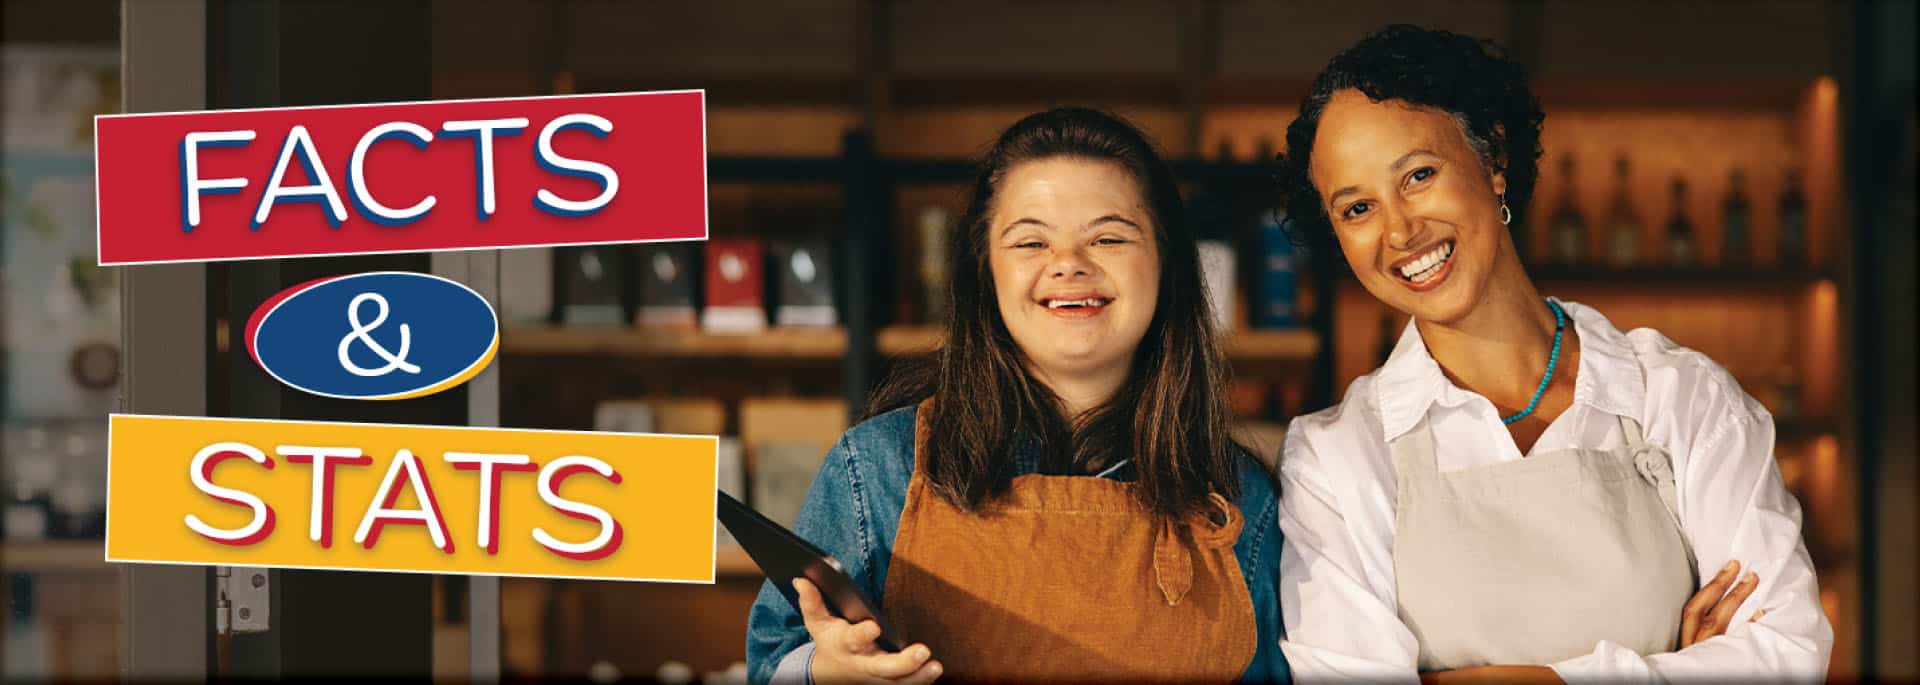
1506,215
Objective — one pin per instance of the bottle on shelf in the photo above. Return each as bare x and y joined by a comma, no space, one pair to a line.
1786,383
75,498
26,645
1793,222
1278,273
933,262
1623,227
1211,214
1568,226
28,515
1680,234
1736,222
1216,270
1263,150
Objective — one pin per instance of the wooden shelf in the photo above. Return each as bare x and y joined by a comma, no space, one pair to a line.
1298,344
1655,277
775,343
820,344
1242,345
55,556
1158,90
895,341
1785,430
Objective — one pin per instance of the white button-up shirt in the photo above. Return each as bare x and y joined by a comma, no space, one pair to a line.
1338,489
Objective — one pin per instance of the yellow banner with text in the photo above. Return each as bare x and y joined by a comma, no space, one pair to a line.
407,498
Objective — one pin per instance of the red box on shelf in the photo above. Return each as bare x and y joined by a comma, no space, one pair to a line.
736,286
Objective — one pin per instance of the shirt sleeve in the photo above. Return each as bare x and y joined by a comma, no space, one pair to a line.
1339,625
1734,506
834,518
796,668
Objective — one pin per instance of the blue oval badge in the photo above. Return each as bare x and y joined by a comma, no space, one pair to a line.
384,335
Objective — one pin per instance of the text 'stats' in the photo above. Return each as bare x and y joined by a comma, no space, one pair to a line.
308,494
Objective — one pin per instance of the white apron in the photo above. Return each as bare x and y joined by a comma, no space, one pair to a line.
1538,560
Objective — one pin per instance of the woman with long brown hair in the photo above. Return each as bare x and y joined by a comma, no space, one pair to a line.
1053,494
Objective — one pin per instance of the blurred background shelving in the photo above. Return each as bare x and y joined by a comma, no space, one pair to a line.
799,344
56,556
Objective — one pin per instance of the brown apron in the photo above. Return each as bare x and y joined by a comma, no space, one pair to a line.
1069,578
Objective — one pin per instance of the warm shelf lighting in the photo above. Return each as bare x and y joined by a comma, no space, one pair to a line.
1826,92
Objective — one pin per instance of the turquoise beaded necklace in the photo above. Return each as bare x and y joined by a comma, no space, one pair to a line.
1559,326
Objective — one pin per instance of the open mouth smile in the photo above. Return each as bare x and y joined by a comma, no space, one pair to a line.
1077,307
1427,269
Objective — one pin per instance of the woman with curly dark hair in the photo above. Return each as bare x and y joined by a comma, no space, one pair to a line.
1053,495
1521,489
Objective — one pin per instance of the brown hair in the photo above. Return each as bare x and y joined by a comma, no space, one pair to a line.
1169,417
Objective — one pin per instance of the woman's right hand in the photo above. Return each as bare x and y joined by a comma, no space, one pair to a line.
1710,611
845,652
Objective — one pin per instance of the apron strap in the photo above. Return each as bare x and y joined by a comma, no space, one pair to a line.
1218,527
1656,467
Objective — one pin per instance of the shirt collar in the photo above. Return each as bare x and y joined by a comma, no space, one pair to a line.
1609,379
1407,384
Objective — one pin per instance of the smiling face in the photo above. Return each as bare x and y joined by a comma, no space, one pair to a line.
1415,210
1076,269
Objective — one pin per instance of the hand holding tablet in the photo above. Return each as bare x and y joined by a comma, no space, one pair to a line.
850,652
851,639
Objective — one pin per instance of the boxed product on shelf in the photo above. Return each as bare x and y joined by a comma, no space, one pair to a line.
736,287
788,439
593,277
782,472
803,283
623,416
730,475
669,276
679,415
686,417
526,285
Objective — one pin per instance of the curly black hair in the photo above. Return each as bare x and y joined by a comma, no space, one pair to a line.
1467,77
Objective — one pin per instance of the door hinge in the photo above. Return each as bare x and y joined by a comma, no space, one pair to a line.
242,604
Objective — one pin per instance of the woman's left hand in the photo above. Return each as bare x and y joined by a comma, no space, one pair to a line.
1705,616
1710,612
1493,674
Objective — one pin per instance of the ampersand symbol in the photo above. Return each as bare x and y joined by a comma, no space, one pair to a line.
362,332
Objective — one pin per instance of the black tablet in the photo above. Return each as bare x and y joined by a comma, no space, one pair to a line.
784,556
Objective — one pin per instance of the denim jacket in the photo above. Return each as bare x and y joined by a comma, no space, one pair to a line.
853,512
